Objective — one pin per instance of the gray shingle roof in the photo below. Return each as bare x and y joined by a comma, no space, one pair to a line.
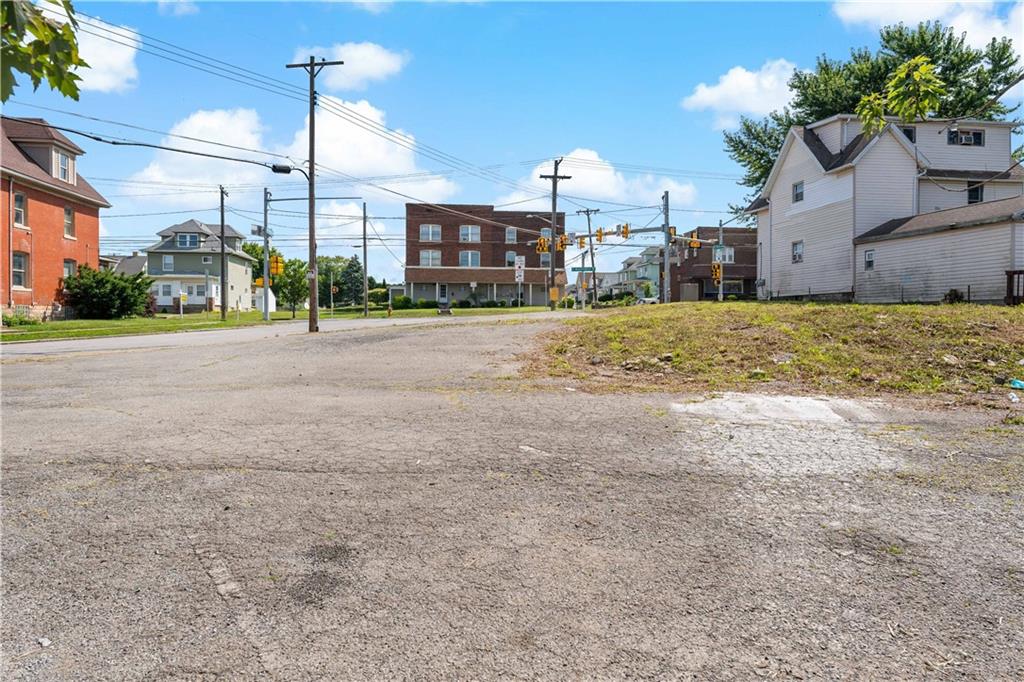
973,215
195,226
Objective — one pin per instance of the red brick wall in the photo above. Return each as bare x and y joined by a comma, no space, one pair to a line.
44,242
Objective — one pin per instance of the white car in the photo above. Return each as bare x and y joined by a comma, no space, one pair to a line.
646,301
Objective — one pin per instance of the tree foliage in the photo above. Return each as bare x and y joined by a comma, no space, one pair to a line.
39,46
292,285
972,78
912,93
352,280
103,295
328,270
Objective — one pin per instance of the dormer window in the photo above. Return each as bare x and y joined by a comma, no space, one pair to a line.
910,132
188,240
63,166
966,138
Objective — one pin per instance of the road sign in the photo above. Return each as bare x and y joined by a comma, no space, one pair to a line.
583,268
520,276
184,298
334,290
520,262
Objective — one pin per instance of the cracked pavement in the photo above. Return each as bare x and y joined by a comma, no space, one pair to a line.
398,502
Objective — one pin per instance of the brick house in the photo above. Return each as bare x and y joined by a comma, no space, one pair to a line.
693,266
50,215
459,252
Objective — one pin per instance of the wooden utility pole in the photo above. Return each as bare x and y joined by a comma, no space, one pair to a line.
366,277
593,262
554,178
223,261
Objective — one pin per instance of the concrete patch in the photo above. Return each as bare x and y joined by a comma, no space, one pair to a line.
752,408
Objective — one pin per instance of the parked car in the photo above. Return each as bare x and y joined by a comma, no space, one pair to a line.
650,300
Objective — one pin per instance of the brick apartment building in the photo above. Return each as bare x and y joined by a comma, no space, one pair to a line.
693,266
50,215
459,252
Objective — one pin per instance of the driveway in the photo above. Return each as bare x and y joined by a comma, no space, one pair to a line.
401,502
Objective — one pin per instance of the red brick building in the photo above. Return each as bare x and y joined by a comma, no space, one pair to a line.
50,215
693,266
460,252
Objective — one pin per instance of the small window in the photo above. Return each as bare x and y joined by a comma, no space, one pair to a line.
207,260
510,259
729,254
798,252
869,259
165,289
469,259
975,194
469,233
201,290
966,138
65,166
545,259
19,269
188,240
191,289
168,264
430,259
910,132
510,235
69,221
430,233
70,268
20,212
798,191
545,232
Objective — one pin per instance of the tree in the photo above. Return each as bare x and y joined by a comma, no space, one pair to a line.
351,287
103,295
39,46
972,78
255,249
328,267
293,287
913,93
378,295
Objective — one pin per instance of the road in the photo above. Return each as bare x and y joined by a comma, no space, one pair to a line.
403,501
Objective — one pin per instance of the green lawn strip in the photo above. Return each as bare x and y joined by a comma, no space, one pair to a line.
905,348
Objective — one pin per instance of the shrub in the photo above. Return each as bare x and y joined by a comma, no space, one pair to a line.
377,295
603,298
401,303
103,295
568,302
18,320
490,304
465,303
954,296
502,303
150,310
424,303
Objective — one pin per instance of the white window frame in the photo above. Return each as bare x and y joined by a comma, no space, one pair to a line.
431,230
63,166
168,260
23,270
797,254
513,233
869,260
469,234
23,221
953,137
201,290
545,259
185,240
166,290
798,192
69,222
468,256
74,267
207,260
913,133
510,262
545,232
728,254
431,261
980,188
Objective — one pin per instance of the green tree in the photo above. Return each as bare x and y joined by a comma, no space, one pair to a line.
378,295
103,295
913,93
351,287
39,46
972,77
292,285
328,266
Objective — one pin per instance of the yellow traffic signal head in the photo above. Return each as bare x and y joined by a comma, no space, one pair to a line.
581,242
600,235
694,244
625,231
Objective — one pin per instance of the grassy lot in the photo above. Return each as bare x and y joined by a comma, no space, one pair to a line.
839,348
200,321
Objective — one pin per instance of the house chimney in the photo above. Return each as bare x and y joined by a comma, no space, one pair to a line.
135,253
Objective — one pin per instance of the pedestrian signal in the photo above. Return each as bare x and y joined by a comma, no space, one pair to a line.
694,244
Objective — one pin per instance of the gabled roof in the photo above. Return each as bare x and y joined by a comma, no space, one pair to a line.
37,130
20,165
193,226
973,215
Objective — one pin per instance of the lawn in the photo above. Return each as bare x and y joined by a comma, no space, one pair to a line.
917,349
71,329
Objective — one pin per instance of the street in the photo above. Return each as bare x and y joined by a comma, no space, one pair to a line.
398,499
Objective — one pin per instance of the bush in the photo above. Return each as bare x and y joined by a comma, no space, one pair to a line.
502,303
466,303
424,303
18,320
103,295
954,296
568,302
490,304
377,295
401,303
604,298
150,310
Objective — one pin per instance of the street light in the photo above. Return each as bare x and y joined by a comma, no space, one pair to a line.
285,169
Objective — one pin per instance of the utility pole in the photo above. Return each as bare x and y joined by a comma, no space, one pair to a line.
366,277
666,283
554,178
721,260
593,263
223,261
332,292
266,256
313,67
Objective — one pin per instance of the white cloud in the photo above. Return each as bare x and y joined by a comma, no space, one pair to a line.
374,6
982,21
177,8
595,178
740,91
111,64
364,62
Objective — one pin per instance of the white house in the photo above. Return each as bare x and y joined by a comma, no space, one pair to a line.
831,184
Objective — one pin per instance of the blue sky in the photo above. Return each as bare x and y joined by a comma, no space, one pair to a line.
626,88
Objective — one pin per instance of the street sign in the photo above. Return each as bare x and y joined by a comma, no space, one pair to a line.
334,290
584,268
184,298
311,276
520,262
520,276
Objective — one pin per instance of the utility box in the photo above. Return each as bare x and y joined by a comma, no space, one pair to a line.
690,292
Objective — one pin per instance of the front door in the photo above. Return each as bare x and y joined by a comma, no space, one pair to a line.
442,293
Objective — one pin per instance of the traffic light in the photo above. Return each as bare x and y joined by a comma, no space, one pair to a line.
694,244
276,265
542,245
716,272
625,231
600,235
671,232
563,241
581,242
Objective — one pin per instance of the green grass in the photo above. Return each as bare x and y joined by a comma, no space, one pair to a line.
837,348
72,329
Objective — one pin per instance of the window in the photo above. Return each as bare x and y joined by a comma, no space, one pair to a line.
69,221
165,289
869,259
966,138
168,264
469,233
798,191
201,290
975,194
191,289
910,132
545,232
510,235
430,233
19,269
188,240
207,260
20,216
510,259
732,286
70,268
728,254
64,163
798,252
469,259
430,259
545,259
